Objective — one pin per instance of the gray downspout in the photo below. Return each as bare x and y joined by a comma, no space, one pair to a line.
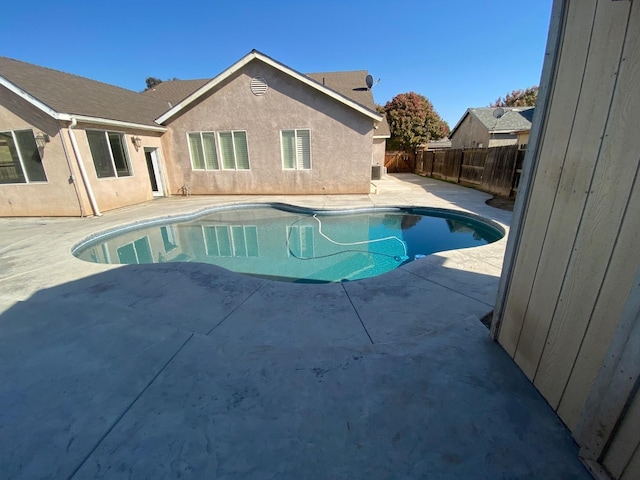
83,172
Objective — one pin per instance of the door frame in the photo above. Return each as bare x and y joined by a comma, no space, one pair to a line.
157,170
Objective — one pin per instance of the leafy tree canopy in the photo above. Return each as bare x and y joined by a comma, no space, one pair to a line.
518,98
413,122
152,82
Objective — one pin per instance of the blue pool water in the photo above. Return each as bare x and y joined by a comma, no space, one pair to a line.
289,244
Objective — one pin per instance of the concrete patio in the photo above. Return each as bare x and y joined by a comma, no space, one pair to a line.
193,372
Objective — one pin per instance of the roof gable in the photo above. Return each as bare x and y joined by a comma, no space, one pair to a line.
173,92
63,95
255,55
514,119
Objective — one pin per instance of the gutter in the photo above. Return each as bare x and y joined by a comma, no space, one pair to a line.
83,172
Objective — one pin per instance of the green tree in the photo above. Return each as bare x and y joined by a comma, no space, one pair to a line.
152,82
518,98
413,122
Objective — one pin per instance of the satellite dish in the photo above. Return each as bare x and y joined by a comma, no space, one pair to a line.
369,81
498,112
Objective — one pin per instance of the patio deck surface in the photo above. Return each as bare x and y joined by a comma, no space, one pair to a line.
193,372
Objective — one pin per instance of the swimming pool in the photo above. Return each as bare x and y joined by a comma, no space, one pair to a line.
287,243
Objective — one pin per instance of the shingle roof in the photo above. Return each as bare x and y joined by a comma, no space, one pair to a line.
71,94
255,55
514,118
174,91
351,84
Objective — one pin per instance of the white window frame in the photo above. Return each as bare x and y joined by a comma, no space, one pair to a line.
25,174
302,232
113,163
297,163
133,243
218,160
235,160
236,250
218,147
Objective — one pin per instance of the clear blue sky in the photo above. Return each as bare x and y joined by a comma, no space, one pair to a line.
457,53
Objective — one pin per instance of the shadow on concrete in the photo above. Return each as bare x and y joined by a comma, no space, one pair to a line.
190,371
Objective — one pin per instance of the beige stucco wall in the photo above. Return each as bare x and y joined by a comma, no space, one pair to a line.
502,139
118,192
470,134
56,197
379,148
64,193
341,138
523,138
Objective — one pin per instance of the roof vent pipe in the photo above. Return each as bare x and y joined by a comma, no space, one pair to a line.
83,172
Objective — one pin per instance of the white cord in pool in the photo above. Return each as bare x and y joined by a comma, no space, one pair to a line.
404,245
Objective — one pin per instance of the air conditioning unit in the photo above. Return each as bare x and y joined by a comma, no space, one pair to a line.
376,172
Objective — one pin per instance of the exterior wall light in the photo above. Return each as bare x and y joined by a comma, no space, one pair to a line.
137,142
42,139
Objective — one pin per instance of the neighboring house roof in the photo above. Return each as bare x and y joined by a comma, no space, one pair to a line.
255,55
173,92
514,119
439,144
63,95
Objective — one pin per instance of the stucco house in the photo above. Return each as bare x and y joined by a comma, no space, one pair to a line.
73,146
492,127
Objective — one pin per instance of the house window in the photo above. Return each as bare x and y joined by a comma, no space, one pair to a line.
300,241
230,147
20,160
109,153
233,150
231,241
135,252
202,148
296,149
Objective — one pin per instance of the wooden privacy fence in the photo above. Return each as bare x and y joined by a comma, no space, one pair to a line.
399,162
493,170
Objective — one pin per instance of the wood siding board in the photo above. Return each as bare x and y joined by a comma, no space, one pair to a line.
624,446
632,471
561,113
615,382
529,168
576,176
595,239
609,308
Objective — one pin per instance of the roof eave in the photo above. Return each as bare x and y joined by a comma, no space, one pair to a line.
511,130
277,65
69,116
111,122
29,98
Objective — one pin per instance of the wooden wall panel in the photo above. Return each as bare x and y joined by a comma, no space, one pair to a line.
624,449
554,140
595,184
569,307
